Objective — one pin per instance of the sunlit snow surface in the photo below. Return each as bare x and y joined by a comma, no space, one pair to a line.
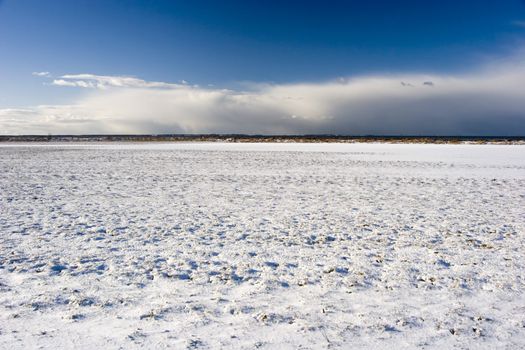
262,246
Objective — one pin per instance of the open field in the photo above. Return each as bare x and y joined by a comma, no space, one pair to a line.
252,245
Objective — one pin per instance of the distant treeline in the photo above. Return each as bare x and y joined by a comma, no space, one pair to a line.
263,138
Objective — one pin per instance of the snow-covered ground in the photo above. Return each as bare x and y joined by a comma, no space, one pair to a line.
262,246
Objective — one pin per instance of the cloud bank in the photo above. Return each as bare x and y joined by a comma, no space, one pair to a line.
489,101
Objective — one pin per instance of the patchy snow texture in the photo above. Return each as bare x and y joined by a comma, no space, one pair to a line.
262,246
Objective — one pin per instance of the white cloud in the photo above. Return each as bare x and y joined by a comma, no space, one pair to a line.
105,81
490,101
42,74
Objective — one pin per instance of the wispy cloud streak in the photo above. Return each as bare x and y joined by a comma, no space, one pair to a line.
42,74
104,82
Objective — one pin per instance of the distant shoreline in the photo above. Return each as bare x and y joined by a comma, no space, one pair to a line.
267,138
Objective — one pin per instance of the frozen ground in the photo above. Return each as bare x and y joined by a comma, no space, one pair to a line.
293,246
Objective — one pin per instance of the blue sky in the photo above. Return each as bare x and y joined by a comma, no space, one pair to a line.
248,47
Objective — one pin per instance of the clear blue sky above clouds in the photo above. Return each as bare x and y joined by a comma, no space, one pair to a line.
234,44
